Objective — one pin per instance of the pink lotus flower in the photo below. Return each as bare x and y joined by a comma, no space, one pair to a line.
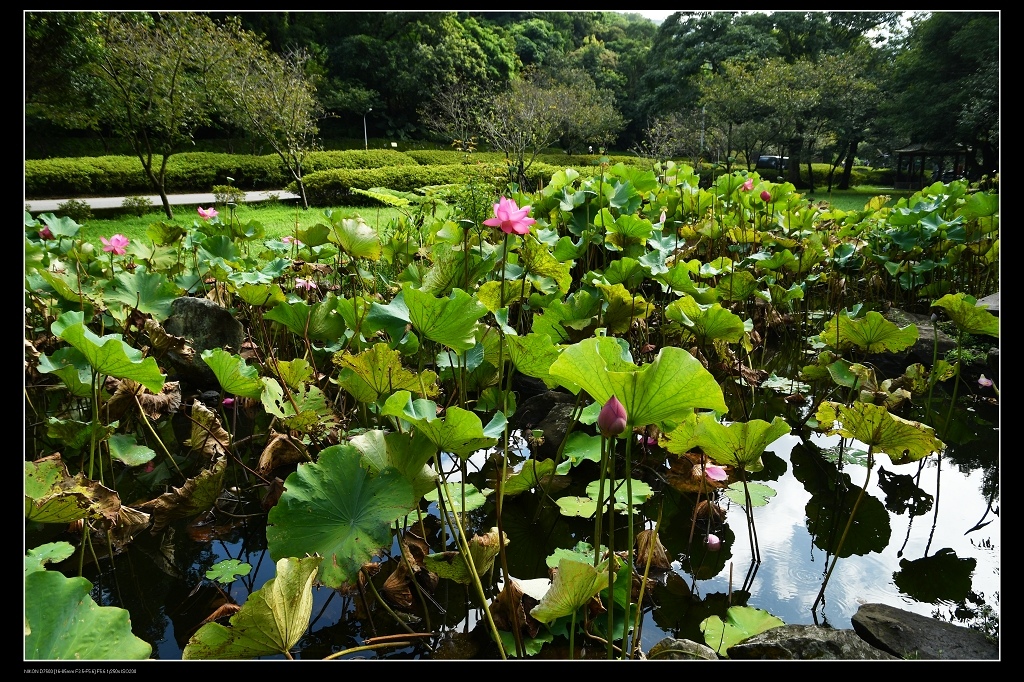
207,213
612,419
748,185
713,542
766,196
715,472
228,402
510,218
45,233
306,284
288,239
984,381
116,244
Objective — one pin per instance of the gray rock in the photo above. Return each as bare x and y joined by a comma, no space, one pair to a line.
911,635
670,649
991,303
806,642
206,326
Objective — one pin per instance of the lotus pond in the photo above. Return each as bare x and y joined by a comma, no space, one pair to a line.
409,449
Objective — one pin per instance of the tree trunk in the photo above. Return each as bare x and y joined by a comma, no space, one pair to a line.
851,157
796,147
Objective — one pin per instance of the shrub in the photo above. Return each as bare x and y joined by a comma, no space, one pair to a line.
75,209
138,205
227,194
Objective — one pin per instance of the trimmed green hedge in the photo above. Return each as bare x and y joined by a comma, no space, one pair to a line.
403,171
334,187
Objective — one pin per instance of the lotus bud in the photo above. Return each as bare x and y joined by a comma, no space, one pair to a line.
766,196
612,419
713,543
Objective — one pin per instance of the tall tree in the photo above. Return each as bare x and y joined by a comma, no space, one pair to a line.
273,97
945,88
160,80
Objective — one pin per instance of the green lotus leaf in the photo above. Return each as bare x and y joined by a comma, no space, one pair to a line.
392,318
63,623
66,285
301,409
670,387
741,622
70,365
532,355
452,565
271,621
450,321
586,507
460,432
163,233
464,497
261,295
398,451
228,570
378,372
75,435
533,475
625,271
355,238
678,280
641,492
759,494
62,226
492,295
739,444
968,317
339,509
532,645
108,354
622,308
582,552
148,292
580,446
263,276
295,373
52,552
872,333
850,375
321,321
537,261
577,312
126,450
736,286
54,496
234,376
707,323
574,585
903,440
317,235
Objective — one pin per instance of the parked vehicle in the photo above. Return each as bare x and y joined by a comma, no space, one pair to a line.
773,162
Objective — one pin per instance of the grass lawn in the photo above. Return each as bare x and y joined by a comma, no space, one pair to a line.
280,219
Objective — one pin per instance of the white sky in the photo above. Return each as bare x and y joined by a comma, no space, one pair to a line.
655,15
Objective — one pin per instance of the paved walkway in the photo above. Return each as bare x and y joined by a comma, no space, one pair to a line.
205,200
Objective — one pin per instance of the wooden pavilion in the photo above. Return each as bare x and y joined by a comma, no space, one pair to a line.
919,165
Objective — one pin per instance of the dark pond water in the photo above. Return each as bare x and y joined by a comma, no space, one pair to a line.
926,539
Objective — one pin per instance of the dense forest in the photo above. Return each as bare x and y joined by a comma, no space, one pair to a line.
823,86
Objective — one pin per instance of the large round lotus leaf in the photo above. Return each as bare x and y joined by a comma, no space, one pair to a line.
63,623
741,622
340,510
